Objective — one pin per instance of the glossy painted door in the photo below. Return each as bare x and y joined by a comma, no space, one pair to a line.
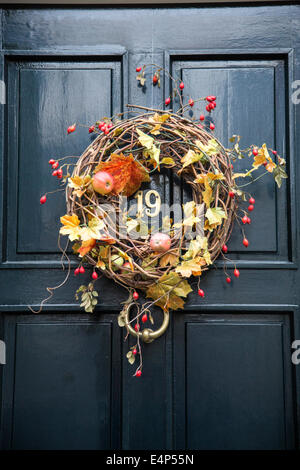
222,376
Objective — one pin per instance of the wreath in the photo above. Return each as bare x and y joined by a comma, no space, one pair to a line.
157,254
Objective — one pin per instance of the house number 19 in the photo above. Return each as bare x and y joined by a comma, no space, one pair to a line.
154,204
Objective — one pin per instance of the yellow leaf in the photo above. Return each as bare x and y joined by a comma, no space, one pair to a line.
190,157
161,118
261,157
167,161
187,268
215,215
211,148
92,230
156,129
207,194
70,226
146,140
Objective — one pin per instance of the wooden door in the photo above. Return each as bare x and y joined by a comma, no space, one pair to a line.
222,376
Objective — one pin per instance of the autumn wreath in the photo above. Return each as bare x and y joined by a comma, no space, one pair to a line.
162,258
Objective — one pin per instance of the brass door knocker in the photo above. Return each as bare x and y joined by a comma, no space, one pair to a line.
147,335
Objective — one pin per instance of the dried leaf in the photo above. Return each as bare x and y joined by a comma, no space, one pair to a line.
168,259
190,157
86,247
128,174
168,291
70,226
215,215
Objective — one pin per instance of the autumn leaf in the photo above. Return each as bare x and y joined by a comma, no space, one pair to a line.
270,165
128,174
190,157
215,215
156,129
86,246
168,259
168,291
279,174
92,230
192,266
196,246
262,156
211,148
167,161
207,193
79,184
151,150
144,139
243,175
70,226
159,118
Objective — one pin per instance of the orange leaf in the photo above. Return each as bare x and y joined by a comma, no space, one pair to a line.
86,246
128,174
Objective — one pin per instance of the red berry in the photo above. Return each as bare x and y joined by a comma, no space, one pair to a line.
138,373
207,107
95,275
136,327
252,200
181,86
213,97
250,208
211,126
155,79
101,124
265,164
202,117
76,271
224,248
236,272
209,98
167,101
55,165
228,280
43,200
255,152
54,173
211,105
91,129
134,352
191,102
135,295
106,131
59,174
274,152
248,220
138,69
245,219
144,318
71,128
109,126
51,161
201,292
245,242
231,194
81,270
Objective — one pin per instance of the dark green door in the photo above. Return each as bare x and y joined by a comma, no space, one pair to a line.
222,376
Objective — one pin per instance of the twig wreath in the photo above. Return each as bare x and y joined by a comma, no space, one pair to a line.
159,260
